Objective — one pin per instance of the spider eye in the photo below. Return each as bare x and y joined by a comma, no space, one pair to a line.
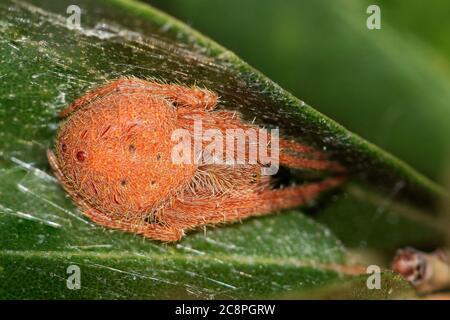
81,156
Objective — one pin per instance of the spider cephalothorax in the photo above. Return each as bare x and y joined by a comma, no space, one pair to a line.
114,156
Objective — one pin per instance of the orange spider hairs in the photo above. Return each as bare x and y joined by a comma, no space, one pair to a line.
113,156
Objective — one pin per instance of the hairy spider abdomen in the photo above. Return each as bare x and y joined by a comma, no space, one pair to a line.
116,153
121,155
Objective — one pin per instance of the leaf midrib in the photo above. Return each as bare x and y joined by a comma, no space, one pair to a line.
233,259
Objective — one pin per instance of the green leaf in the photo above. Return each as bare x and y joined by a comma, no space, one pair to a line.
393,287
44,66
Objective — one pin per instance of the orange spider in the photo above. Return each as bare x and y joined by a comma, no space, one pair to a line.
113,157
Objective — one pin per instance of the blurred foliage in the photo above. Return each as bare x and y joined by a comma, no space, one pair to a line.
428,23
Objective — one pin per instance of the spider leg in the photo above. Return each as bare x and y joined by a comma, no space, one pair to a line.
299,162
300,148
60,176
162,233
191,212
296,155
149,230
54,164
181,96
